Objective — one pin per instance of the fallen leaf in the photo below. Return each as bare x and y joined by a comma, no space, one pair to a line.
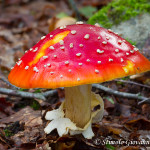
129,148
14,2
27,139
144,134
68,145
139,124
43,146
7,36
125,110
143,77
109,128
58,22
15,20
2,147
5,108
26,115
6,57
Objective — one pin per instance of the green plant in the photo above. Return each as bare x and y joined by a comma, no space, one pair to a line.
61,15
87,11
110,147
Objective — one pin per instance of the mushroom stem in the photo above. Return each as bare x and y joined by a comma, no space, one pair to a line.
78,104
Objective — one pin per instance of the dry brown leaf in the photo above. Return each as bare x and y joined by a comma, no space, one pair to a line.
68,145
7,36
139,124
129,148
146,110
5,108
55,22
28,137
114,129
6,56
144,77
2,147
43,146
26,115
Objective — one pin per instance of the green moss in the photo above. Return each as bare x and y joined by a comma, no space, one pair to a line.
35,105
130,41
13,128
8,133
118,11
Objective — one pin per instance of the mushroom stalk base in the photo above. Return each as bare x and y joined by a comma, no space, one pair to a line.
65,125
78,104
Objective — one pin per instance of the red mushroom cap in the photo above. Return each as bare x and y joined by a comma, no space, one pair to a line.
75,55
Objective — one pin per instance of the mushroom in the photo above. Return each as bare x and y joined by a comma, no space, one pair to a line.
74,57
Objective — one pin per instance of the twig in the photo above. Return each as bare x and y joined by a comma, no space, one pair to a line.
122,94
144,101
75,9
44,95
49,93
9,84
22,94
131,82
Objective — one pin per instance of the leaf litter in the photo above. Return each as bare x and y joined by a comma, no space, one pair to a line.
22,126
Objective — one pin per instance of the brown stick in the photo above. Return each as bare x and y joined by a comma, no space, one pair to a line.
122,94
52,92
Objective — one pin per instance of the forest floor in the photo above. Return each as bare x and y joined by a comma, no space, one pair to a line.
126,122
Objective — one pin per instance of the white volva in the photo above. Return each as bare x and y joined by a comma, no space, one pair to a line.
79,107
